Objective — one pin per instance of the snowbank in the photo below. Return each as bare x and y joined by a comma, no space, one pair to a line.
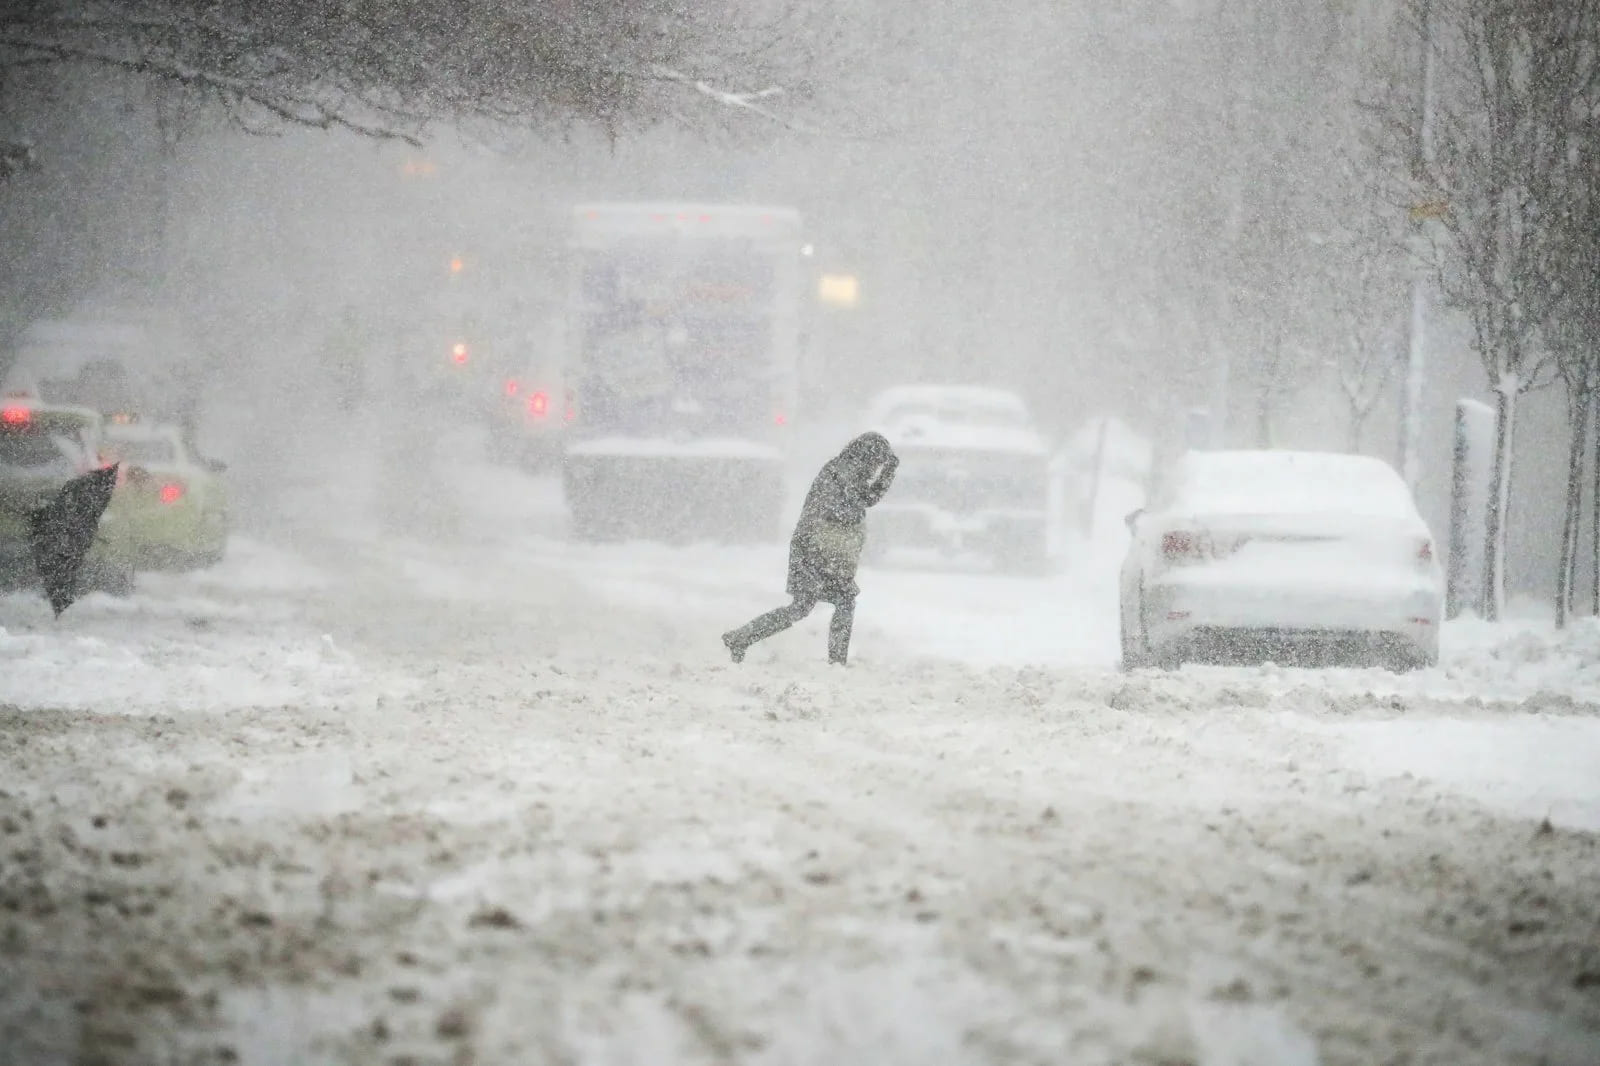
1524,765
218,640
1519,659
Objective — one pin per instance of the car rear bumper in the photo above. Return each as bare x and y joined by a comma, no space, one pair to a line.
189,531
1397,615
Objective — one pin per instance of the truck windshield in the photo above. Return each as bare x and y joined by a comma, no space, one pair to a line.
677,336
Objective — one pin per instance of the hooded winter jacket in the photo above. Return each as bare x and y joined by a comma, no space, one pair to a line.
826,547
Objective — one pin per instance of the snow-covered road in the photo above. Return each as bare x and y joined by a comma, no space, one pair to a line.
491,797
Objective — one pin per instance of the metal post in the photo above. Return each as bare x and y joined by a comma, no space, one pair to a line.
1417,323
1411,398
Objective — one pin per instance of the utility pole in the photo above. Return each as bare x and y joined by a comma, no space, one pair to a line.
1417,323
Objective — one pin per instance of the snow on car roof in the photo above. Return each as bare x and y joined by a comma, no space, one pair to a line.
83,416
952,396
957,417
1253,482
932,433
141,431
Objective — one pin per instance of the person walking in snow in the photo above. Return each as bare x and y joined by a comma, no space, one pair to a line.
826,546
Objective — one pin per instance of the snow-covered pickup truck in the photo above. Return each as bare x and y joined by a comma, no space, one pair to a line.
973,477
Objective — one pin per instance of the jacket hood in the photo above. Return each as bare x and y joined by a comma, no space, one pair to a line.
867,451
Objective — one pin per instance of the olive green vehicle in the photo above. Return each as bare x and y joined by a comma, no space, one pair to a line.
174,504
42,447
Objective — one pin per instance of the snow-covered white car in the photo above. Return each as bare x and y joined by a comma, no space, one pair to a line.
974,475
175,503
1295,557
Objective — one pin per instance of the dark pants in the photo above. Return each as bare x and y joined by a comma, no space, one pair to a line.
844,615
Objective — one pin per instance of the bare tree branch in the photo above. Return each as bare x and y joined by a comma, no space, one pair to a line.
388,69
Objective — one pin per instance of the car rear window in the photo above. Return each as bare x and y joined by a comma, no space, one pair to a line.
143,451
33,449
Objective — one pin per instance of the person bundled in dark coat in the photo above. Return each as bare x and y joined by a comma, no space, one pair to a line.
826,547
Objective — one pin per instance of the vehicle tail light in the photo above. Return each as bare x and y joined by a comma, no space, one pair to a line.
459,353
780,419
513,386
539,404
1181,545
16,416
171,492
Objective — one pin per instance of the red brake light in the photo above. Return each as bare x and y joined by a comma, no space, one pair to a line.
458,352
171,492
1177,544
513,386
780,419
1182,545
16,416
539,404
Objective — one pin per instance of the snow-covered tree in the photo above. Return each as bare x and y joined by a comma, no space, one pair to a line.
1509,74
393,68
1573,334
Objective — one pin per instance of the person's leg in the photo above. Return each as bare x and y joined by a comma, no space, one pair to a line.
759,629
844,616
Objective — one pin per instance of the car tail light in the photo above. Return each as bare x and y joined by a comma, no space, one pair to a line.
539,404
513,386
16,416
171,492
1181,545
459,353
780,419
